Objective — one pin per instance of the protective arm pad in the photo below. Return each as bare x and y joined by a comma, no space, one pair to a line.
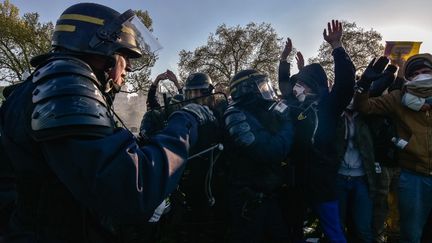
255,140
238,127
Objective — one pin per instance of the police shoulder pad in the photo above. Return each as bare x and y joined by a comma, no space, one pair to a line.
64,66
68,103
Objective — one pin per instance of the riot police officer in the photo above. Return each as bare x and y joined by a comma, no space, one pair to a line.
78,175
199,205
199,87
259,137
198,84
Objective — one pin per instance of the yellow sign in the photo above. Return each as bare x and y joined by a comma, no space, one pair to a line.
401,50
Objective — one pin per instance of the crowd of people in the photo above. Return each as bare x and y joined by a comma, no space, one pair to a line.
247,166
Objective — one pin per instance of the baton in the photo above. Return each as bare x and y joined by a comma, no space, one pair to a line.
218,146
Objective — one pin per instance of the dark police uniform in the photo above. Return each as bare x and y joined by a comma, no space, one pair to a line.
258,141
73,166
79,177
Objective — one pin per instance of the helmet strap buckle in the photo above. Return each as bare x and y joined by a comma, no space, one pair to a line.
111,31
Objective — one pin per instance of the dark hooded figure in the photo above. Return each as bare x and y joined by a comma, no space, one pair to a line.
314,159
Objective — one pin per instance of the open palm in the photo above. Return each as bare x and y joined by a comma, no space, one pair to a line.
333,33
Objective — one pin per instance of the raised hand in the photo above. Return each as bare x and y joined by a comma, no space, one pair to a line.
172,77
300,61
160,77
375,69
334,35
373,72
287,50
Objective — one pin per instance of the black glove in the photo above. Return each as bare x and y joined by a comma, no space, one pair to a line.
207,127
381,84
392,69
373,72
202,113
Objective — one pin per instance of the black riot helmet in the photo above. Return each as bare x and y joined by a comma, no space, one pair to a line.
91,28
198,82
251,83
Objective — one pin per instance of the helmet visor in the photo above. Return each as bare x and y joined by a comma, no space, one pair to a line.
146,41
265,88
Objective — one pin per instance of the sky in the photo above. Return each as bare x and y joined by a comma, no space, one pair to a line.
186,24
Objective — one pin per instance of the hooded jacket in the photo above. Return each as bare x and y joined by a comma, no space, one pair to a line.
314,150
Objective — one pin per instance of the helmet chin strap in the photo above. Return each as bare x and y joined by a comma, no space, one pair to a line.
108,84
112,87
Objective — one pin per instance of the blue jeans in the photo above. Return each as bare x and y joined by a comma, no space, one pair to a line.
328,213
415,204
354,198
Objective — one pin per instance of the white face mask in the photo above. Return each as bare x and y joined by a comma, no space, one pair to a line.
299,92
421,77
413,102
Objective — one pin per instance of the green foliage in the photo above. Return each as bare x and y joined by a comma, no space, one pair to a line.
362,45
231,49
139,78
145,18
20,39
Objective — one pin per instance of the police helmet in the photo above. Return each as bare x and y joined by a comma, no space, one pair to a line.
96,29
251,83
199,81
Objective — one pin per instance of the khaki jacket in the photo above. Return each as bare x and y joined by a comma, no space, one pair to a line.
412,126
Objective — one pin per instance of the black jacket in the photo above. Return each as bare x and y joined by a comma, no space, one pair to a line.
314,151
257,144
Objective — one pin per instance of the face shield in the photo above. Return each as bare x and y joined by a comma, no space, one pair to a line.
125,34
194,93
265,88
144,38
